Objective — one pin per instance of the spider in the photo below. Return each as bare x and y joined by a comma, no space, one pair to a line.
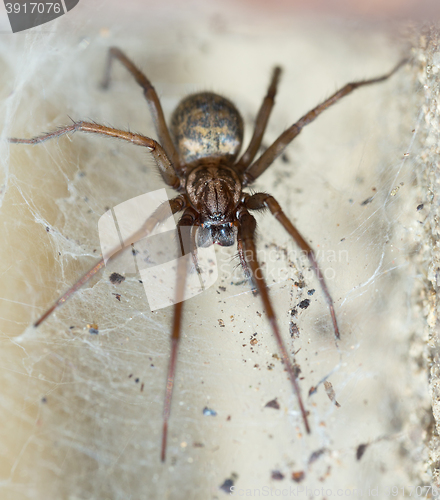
199,159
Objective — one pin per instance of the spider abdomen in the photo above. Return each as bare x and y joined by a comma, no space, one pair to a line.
207,125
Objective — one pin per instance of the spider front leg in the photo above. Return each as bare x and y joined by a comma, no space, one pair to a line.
150,95
163,162
246,228
185,229
263,200
165,210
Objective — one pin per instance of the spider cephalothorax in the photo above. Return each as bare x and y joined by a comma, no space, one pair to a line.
200,162
208,132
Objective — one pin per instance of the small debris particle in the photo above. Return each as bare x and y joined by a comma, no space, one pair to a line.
331,393
222,288
277,475
256,365
420,207
270,366
275,356
367,201
93,329
136,380
229,483
311,292
142,387
284,158
208,412
229,418
221,323
394,191
254,341
198,445
312,390
47,229
294,330
71,327
300,284
360,451
405,154
117,296
316,454
298,476
258,314
304,304
116,278
130,375
44,399
273,404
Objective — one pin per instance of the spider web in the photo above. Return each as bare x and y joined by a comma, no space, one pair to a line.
81,412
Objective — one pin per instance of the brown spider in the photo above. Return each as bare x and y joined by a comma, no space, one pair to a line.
200,162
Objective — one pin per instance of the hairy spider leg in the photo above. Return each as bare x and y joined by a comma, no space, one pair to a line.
152,98
247,226
160,215
186,241
262,200
165,167
260,123
272,152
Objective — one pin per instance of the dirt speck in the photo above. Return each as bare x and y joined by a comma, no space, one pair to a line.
116,278
273,404
298,476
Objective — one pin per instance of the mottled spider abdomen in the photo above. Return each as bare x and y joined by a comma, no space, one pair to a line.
207,125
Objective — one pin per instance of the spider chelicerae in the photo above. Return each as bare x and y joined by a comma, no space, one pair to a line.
199,159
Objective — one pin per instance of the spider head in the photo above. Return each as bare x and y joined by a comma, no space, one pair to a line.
222,234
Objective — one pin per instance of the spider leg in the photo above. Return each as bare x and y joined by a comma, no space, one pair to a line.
242,259
185,240
270,155
152,98
162,160
247,226
160,215
263,200
260,123
194,249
